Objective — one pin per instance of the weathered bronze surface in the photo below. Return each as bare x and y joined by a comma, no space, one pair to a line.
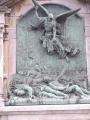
46,35
52,39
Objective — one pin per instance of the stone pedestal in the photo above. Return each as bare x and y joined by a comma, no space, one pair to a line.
47,112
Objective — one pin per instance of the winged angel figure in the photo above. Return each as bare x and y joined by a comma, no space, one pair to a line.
52,39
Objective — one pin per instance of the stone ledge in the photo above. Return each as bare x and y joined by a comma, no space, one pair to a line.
43,109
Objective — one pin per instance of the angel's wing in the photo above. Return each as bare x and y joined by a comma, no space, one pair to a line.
40,9
61,18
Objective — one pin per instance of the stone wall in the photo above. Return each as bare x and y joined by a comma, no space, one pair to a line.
8,52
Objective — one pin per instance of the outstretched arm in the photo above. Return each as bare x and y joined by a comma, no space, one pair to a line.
39,18
37,25
54,30
40,6
32,26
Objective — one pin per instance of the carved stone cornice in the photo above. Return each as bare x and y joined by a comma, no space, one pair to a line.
5,5
8,3
6,33
86,1
1,31
1,28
